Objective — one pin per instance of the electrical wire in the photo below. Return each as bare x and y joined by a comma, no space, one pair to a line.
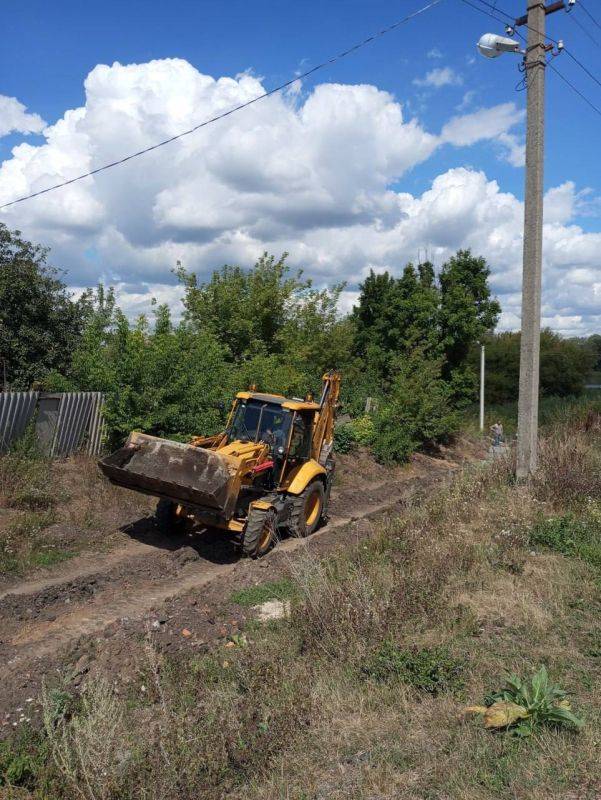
581,65
578,92
233,110
588,13
576,21
573,57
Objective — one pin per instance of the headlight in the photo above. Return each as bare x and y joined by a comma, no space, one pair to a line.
281,451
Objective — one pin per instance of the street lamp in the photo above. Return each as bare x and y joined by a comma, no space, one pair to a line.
492,46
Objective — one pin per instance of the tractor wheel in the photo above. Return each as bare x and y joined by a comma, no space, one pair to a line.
167,520
307,510
260,532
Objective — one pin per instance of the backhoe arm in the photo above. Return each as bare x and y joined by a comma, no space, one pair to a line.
323,432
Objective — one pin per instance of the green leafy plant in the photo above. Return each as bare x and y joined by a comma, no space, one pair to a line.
525,705
363,429
432,670
571,535
22,756
345,439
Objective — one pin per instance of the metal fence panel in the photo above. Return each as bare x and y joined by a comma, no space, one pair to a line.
16,410
65,422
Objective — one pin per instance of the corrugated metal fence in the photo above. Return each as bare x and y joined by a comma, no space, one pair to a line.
64,423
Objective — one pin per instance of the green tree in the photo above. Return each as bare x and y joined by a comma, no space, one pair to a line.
394,316
39,322
564,366
245,309
467,313
417,410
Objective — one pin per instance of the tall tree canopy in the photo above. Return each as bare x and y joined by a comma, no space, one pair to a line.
39,322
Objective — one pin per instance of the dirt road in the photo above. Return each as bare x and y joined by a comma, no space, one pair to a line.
97,608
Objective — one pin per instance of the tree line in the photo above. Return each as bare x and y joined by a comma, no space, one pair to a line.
409,344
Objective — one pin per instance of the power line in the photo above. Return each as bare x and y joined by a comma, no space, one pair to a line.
581,65
576,21
277,89
571,85
550,38
588,13
578,92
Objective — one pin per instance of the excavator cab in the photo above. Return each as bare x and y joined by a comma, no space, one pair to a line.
270,469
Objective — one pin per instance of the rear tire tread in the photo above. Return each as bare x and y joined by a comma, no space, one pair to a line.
253,532
297,523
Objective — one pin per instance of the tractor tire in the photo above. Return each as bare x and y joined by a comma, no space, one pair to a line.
307,510
260,532
166,520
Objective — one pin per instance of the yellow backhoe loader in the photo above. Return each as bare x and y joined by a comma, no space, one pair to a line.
270,469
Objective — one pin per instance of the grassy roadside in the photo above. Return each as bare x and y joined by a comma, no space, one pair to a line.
360,692
553,413
50,510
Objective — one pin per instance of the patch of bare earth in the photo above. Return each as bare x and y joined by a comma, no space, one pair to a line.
127,578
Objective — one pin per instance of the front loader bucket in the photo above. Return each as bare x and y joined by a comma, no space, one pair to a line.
180,472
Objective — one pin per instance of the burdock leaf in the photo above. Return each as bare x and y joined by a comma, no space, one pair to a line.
476,710
503,714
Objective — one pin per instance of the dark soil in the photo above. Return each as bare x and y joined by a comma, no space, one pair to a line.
97,611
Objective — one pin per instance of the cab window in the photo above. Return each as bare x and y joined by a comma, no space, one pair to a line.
300,440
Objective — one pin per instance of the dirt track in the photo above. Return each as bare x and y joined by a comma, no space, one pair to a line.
93,608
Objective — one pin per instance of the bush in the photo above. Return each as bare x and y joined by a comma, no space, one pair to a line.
431,670
418,411
344,438
363,430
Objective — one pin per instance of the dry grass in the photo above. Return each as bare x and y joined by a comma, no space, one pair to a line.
295,714
51,510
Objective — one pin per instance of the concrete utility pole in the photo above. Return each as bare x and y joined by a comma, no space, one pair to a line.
492,46
482,371
535,64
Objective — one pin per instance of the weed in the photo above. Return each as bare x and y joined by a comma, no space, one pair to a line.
271,590
525,706
22,542
569,471
508,548
21,758
91,748
431,670
571,536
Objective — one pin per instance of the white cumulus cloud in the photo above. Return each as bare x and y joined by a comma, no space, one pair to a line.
439,77
319,174
14,118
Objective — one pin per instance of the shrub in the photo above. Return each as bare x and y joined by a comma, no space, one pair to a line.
363,430
419,411
431,670
344,438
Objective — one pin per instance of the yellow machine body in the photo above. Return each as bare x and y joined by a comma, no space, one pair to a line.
271,451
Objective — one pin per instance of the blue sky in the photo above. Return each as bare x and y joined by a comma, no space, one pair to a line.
49,50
